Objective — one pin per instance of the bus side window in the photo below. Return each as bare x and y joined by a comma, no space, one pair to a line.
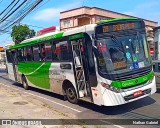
24,54
61,51
20,54
48,52
9,57
42,53
36,53
57,51
29,54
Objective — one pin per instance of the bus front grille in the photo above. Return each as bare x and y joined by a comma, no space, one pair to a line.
132,75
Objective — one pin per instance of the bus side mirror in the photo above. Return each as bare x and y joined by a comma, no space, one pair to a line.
95,50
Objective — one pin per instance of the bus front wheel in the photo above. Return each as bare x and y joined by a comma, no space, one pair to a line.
71,94
24,83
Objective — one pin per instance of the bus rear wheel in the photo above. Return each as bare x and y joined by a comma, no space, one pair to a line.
71,94
24,83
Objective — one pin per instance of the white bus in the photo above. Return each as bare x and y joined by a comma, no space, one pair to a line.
107,63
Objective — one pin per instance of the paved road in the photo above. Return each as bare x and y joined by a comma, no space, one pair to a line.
147,108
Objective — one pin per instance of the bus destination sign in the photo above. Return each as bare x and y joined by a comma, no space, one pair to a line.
118,27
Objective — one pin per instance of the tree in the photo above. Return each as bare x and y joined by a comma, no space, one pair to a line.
21,32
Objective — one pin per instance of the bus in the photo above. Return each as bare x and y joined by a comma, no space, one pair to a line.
107,63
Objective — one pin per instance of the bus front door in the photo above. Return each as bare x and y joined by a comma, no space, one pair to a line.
80,69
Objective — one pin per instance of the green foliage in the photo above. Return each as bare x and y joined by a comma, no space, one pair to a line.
21,32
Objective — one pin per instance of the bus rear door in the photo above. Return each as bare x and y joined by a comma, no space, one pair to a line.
11,64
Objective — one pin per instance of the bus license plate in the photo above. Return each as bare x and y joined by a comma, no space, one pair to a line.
137,93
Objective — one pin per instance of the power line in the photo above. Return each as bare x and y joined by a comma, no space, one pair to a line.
14,15
6,16
19,19
1,1
7,7
41,6
27,25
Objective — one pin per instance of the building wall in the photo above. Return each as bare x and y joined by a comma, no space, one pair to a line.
95,14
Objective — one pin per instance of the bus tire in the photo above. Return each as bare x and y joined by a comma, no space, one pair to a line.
71,94
24,83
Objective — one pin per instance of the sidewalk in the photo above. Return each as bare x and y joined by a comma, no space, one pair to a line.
14,105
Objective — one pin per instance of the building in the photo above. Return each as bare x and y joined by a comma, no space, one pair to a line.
89,15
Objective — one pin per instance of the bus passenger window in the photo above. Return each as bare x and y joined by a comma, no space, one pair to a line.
19,54
29,53
25,54
36,53
61,51
57,52
42,54
48,52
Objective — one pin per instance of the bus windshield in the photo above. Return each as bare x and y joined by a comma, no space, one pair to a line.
120,54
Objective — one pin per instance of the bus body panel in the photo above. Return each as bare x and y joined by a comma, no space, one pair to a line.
37,73
57,76
10,71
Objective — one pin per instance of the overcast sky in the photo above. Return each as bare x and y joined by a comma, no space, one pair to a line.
47,13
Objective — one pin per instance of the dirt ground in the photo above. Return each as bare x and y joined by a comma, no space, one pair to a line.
14,105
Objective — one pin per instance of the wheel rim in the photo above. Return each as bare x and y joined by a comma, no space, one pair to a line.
71,93
24,83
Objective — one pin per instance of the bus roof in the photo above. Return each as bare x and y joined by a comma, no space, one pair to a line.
55,35
116,19
38,39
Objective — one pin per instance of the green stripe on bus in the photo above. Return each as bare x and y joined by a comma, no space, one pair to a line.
132,82
35,41
77,36
39,77
116,19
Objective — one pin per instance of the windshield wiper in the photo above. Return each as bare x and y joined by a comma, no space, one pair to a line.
117,42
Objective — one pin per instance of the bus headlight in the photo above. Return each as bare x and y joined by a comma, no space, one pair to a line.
112,88
150,81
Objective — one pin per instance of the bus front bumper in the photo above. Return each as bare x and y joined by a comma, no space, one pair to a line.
111,98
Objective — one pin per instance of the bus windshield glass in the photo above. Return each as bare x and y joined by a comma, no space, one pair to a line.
122,54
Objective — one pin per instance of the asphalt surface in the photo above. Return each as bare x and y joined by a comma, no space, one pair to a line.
146,108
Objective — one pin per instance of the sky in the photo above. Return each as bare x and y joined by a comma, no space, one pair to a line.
47,14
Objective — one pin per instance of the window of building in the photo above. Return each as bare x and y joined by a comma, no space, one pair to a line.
36,53
66,23
100,18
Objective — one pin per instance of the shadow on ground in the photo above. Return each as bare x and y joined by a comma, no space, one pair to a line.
113,110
